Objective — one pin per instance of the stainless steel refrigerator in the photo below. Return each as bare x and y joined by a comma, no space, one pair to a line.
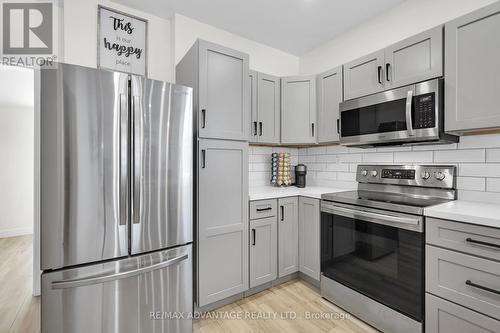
116,202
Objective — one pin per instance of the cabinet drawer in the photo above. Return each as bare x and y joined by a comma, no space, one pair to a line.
262,208
442,316
468,238
464,279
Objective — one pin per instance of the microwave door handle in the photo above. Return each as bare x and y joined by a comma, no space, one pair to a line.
409,122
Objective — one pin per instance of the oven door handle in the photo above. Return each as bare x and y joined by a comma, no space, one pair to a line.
409,121
373,217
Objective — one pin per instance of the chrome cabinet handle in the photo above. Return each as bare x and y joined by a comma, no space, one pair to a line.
473,241
478,286
117,276
409,122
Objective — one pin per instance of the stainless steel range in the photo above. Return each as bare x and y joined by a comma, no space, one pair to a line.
372,243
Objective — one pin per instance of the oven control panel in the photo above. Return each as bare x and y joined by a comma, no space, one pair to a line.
398,173
411,175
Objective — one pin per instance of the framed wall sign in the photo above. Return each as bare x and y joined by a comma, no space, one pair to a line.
122,42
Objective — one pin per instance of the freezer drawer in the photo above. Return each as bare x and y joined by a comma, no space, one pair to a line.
148,293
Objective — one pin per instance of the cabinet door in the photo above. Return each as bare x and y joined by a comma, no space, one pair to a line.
288,236
472,50
442,316
309,249
222,219
329,97
298,110
415,59
223,93
253,107
364,76
263,251
268,108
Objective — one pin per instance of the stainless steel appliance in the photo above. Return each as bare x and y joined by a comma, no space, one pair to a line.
372,243
300,175
412,114
116,202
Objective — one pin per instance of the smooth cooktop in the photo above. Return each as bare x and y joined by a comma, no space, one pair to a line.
385,200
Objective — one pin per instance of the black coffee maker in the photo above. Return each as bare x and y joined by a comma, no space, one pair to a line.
300,175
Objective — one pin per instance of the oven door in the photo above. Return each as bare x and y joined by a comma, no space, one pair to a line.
377,253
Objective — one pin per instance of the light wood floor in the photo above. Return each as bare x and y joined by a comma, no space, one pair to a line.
20,311
297,297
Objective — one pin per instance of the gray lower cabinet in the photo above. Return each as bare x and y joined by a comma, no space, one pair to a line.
472,50
330,95
309,229
298,110
263,251
364,76
219,77
442,316
222,229
288,236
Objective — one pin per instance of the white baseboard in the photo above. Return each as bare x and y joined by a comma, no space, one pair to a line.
16,232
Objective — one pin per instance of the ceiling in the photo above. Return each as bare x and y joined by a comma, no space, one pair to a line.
293,26
16,87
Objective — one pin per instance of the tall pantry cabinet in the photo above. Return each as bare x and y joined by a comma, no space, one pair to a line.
219,77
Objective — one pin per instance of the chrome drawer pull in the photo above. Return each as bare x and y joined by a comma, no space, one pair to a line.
478,286
470,240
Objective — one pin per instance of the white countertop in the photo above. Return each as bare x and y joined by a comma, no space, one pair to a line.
485,214
270,192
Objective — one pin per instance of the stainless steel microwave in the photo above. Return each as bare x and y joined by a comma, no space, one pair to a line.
408,115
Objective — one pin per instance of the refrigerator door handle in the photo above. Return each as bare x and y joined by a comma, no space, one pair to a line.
65,284
123,162
137,147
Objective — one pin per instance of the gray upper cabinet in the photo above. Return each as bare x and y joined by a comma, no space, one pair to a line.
364,76
330,95
268,108
412,60
266,101
309,248
298,110
222,220
252,76
263,251
472,50
415,59
219,77
288,236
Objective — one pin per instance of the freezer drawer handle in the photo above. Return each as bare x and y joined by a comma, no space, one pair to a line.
122,275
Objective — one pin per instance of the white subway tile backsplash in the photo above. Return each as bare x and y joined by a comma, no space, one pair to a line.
413,157
493,184
386,158
492,155
463,155
471,183
477,158
479,170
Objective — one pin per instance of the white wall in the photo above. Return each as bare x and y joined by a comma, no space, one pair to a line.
405,20
80,37
16,170
262,58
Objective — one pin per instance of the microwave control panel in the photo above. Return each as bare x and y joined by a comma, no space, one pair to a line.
425,113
